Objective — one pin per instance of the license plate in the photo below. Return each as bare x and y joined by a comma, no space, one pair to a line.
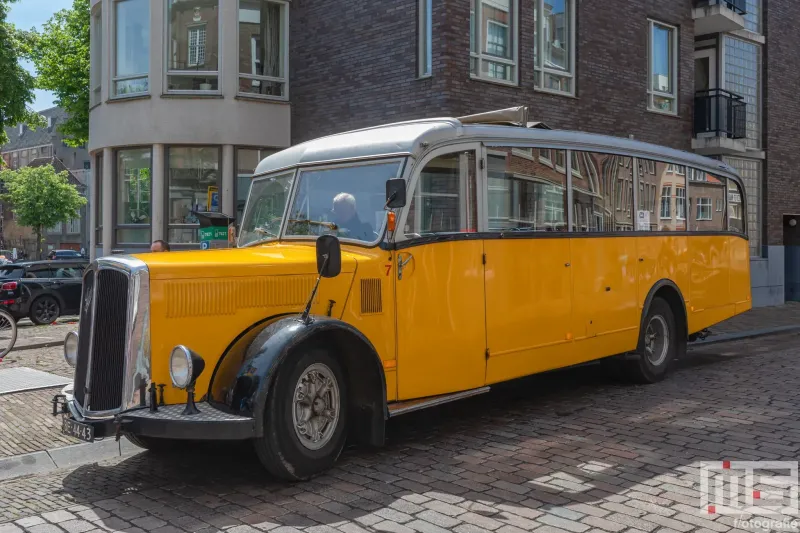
80,431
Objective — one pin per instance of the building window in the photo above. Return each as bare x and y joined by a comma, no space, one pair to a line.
263,48
554,45
193,183
493,40
55,230
704,209
752,19
662,91
425,37
74,226
247,159
132,46
742,67
133,189
96,60
193,61
751,171
98,201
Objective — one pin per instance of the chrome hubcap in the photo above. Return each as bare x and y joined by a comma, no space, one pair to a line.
656,340
315,411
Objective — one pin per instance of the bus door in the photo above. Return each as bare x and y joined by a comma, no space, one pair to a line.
441,322
528,278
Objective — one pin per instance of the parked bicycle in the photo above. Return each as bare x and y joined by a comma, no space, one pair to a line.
8,333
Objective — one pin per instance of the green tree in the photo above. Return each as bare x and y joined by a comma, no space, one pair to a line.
16,83
41,198
60,53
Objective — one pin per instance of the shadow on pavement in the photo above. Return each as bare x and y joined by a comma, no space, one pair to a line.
545,444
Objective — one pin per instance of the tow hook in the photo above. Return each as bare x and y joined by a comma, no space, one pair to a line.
700,335
59,399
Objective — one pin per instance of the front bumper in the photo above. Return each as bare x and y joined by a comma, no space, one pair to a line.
168,422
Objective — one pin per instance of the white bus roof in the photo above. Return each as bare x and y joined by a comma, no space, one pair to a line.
416,137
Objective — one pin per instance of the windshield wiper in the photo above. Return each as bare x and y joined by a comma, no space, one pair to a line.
329,225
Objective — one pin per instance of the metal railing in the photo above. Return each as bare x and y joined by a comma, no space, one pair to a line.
720,112
737,6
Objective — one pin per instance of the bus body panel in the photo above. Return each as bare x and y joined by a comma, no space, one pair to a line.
441,322
528,305
709,301
740,274
662,258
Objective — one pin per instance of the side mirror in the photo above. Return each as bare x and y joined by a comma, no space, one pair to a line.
395,193
329,256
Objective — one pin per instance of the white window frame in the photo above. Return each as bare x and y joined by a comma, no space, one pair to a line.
425,38
285,52
96,57
703,202
114,78
651,93
200,30
668,204
74,226
539,66
193,73
480,57
680,200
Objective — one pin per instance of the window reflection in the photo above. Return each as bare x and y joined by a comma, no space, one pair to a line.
526,192
602,192
662,197
705,190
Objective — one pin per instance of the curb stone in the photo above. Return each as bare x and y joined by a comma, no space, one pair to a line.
64,457
753,333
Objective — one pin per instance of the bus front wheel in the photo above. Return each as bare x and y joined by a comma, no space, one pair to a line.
658,345
305,417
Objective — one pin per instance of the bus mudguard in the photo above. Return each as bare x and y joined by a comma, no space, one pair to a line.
243,379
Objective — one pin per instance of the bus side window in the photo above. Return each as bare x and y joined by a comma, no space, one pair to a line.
706,192
602,192
445,199
662,197
527,189
735,208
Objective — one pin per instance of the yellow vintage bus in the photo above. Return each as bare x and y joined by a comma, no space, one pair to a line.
394,268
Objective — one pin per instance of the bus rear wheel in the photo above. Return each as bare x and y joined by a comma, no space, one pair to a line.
658,345
305,419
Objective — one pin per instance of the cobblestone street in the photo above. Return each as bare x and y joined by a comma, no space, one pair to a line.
568,451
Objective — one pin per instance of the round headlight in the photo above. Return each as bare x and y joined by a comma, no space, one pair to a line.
71,348
180,367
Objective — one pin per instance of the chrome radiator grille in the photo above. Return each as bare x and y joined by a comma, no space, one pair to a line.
100,368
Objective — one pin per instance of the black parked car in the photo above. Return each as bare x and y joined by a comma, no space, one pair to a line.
65,254
42,290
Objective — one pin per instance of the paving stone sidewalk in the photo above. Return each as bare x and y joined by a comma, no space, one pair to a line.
761,318
566,451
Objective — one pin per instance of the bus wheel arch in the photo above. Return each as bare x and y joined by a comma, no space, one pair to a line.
311,361
662,334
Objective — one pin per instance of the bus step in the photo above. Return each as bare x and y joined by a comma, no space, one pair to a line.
409,406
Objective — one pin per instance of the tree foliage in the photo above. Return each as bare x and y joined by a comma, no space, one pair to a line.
41,198
16,83
60,53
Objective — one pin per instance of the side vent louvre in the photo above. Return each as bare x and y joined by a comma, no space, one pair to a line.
371,298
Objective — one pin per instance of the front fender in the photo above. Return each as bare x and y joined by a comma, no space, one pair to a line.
243,379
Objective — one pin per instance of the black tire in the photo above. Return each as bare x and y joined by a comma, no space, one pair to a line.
45,310
280,448
155,444
652,361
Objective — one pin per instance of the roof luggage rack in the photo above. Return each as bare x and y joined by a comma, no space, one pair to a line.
512,116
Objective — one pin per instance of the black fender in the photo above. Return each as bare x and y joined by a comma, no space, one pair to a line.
244,376
675,298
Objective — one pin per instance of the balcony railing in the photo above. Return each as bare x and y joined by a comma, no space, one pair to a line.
737,6
721,113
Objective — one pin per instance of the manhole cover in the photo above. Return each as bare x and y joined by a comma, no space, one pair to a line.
22,379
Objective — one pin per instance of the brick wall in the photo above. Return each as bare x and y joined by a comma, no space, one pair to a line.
781,117
359,68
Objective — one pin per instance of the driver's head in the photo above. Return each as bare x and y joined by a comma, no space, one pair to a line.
344,207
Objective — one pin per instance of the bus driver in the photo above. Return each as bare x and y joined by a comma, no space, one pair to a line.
346,218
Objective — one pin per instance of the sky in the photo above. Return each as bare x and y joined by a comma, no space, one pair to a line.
27,14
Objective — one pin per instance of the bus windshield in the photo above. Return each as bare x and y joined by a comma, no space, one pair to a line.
346,201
